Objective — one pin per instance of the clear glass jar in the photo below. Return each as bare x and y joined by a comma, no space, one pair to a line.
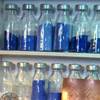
28,33
8,85
92,72
62,28
44,35
23,81
11,28
39,85
80,30
55,82
75,71
95,31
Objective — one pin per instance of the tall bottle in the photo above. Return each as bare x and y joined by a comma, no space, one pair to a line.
44,35
23,81
28,32
95,31
11,28
39,84
92,72
62,28
55,82
79,37
8,85
75,71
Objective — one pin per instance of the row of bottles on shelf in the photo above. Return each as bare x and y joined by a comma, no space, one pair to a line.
30,34
39,86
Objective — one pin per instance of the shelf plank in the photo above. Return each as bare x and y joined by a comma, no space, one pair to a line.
49,54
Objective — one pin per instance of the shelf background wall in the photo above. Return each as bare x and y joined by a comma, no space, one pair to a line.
51,59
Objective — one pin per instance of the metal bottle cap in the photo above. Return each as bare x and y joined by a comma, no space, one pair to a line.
57,66
92,67
63,7
97,7
28,7
22,64
75,67
81,7
46,7
6,64
40,65
10,7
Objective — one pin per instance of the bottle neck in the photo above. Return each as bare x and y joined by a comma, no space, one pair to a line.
28,13
93,75
97,15
63,13
12,12
75,74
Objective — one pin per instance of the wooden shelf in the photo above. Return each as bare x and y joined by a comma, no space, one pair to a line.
49,54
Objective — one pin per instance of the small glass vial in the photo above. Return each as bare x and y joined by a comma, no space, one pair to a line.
28,35
80,30
8,85
39,85
62,28
23,82
92,72
44,35
95,31
11,28
55,82
75,71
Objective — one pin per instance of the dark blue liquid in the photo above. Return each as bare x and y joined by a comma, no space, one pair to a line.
38,90
79,44
44,37
95,45
10,41
54,96
61,39
27,43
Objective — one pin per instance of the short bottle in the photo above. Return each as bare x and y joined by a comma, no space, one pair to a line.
11,28
44,34
39,84
55,82
95,31
92,72
8,85
62,28
28,37
80,30
75,71
23,82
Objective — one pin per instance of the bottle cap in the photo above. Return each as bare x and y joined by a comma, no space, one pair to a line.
28,7
6,64
57,66
92,67
46,7
40,65
97,7
22,64
10,7
63,7
81,7
75,67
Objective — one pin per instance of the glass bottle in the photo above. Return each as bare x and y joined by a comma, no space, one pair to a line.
11,28
95,31
75,71
62,28
92,72
44,35
28,32
23,81
80,30
55,82
39,84
8,85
